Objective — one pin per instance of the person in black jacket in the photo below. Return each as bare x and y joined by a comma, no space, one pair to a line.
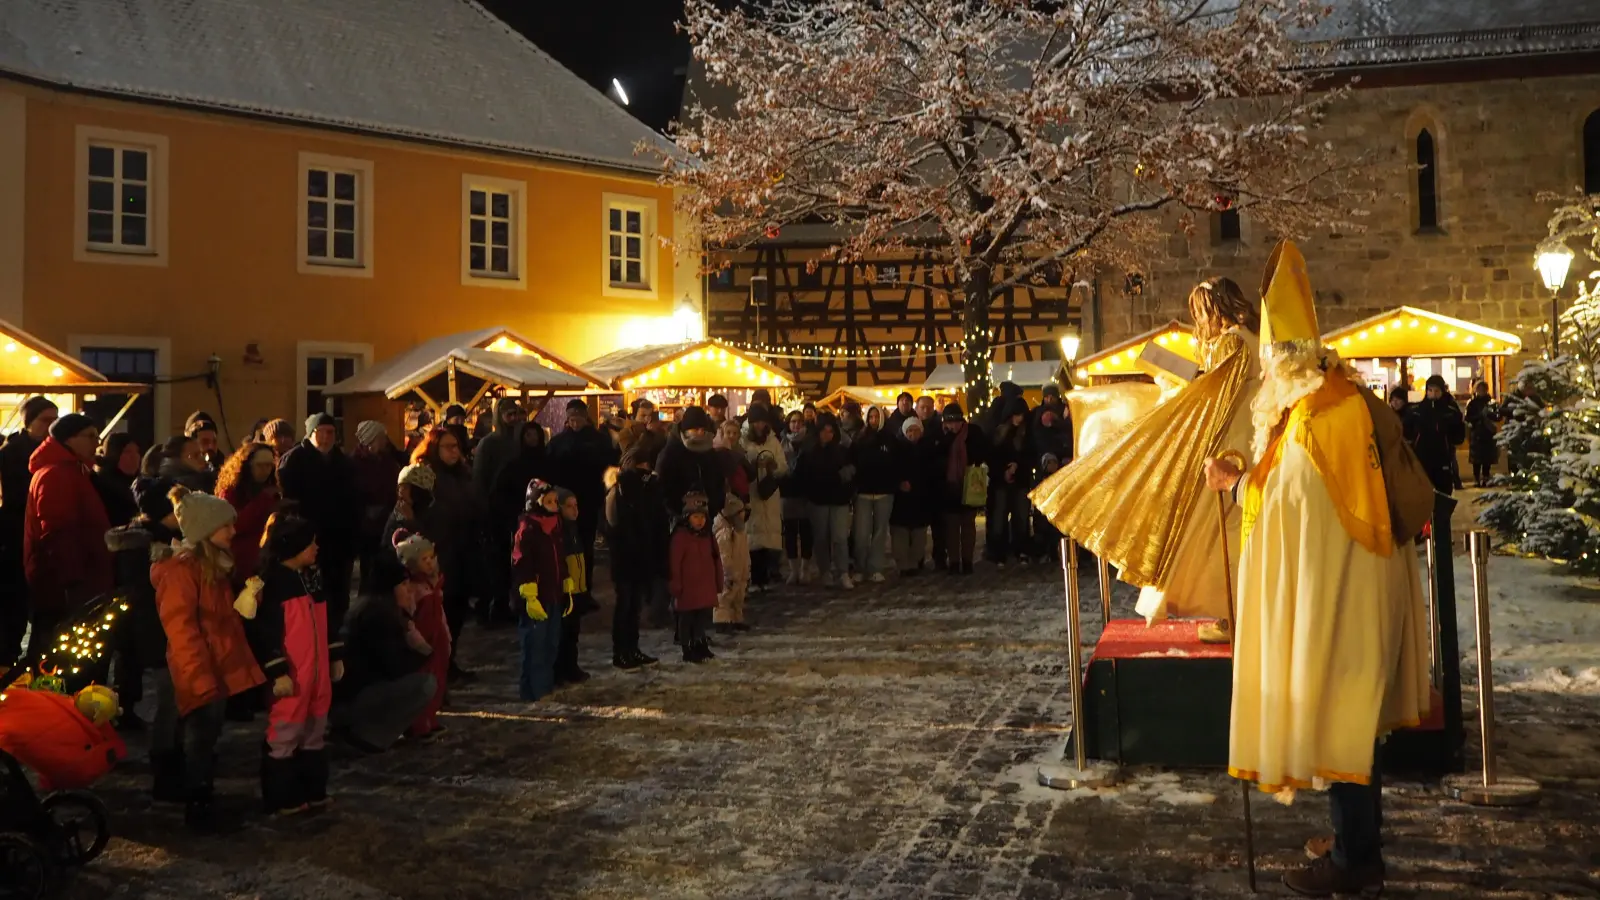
38,414
825,475
877,482
1011,462
689,465
1482,414
531,461
961,447
1437,429
916,503
578,459
116,467
317,477
383,690
637,531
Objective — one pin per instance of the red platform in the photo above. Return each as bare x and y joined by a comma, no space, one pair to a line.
1133,639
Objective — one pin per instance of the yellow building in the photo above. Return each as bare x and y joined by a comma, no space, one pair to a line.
284,191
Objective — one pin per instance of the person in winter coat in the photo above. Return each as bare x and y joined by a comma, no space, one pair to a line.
1438,428
961,447
933,437
493,455
1046,537
302,663
737,473
64,531
689,465
38,414
451,522
580,602
202,429
182,460
208,656
695,579
1011,461
798,540
579,458
389,683
140,642
413,500
905,407
249,481
916,495
421,598
1052,434
280,434
500,447
877,482
317,477
505,507
115,468
764,453
1482,451
377,464
637,532
733,548
826,477
538,566
851,423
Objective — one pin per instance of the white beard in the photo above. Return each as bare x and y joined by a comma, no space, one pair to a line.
1285,380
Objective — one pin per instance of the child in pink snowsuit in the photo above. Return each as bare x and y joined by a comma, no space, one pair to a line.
421,596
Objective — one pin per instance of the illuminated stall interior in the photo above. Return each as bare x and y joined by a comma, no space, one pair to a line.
472,368
1120,362
949,382
869,395
1415,344
675,376
30,367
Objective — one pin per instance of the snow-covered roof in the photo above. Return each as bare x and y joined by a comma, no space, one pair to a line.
396,375
443,71
1026,373
702,363
1382,32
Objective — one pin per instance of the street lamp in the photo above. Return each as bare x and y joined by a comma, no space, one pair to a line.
1069,346
1553,261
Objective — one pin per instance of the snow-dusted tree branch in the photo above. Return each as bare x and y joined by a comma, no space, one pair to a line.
1021,135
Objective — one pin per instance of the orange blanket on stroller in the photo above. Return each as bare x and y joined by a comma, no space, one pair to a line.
47,734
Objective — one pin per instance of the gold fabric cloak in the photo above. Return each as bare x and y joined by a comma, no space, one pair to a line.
1129,500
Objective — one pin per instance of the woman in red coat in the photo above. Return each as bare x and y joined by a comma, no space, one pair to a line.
64,530
208,655
249,481
695,579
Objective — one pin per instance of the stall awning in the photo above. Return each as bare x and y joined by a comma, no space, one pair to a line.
1123,359
694,364
400,374
28,365
949,377
869,395
1409,333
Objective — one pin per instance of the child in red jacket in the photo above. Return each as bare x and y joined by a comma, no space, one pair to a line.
302,665
695,578
421,596
538,569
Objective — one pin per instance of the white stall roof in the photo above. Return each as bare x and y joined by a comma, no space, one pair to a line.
1026,373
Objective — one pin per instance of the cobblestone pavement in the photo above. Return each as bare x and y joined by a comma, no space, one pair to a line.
873,744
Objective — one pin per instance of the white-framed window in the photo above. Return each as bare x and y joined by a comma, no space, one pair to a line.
493,245
321,364
629,246
121,195
335,196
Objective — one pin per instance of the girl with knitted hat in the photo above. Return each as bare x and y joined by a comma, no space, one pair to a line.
303,662
695,578
208,655
538,569
421,596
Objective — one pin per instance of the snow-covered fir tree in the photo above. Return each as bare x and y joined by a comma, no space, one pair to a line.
1023,139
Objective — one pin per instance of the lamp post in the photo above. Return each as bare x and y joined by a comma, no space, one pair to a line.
1070,343
1553,260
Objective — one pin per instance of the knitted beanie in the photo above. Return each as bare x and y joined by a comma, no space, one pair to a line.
953,413
150,495
419,477
317,420
694,502
369,431
410,547
34,408
287,536
197,422
70,426
200,515
910,423
695,418
271,430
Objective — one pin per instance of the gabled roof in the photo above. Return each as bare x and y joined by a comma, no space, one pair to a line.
1408,332
1123,358
649,365
1026,373
444,71
398,374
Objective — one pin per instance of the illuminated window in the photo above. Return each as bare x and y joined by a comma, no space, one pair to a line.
630,237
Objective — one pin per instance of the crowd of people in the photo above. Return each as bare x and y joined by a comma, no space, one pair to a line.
325,590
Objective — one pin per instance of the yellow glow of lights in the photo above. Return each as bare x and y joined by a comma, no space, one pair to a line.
33,360
11,346
1361,335
1449,334
1414,323
1379,329
1345,342
57,372
1083,373
1433,329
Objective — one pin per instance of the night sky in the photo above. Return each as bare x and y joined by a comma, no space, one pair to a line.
631,40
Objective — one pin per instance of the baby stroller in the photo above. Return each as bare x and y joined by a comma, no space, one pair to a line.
44,837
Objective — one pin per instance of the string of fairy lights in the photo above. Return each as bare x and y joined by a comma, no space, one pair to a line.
894,350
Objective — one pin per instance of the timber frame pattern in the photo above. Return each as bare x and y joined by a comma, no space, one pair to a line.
853,308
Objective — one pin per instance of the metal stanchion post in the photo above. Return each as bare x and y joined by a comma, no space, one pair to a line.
1083,773
1435,661
1491,788
1105,593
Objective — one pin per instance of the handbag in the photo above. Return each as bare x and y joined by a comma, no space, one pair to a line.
975,486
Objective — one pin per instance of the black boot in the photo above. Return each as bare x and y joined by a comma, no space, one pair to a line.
627,661
313,770
694,653
643,658
167,784
203,815
281,793
705,650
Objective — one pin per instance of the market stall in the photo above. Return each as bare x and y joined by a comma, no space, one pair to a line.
1412,344
1120,361
948,381
467,369
30,367
675,376
869,395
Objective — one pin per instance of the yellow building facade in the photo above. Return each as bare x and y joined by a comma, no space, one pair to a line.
166,241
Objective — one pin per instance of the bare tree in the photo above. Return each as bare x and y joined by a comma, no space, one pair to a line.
1021,135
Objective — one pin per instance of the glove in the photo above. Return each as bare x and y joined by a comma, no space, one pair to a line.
530,594
282,687
536,611
249,598
337,669
569,585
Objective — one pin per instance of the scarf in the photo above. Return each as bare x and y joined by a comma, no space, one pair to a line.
956,469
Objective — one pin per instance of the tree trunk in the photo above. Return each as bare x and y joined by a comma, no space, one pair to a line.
978,292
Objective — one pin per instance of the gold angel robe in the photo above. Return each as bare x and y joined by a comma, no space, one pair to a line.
1139,501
